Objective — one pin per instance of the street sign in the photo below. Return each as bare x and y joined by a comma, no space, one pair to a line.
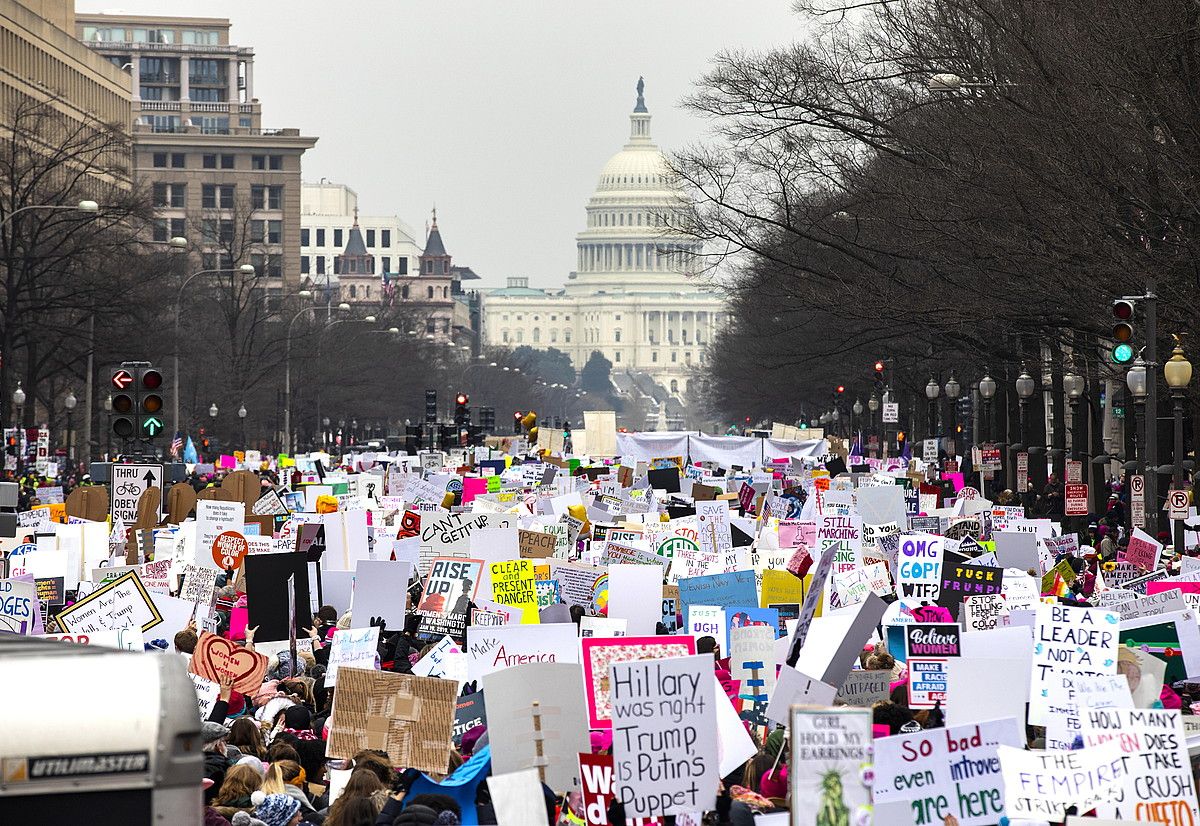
1022,472
929,450
1074,471
891,412
1177,504
1137,500
990,457
126,485
1076,500
42,460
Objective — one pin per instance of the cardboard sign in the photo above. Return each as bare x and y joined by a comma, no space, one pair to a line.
1143,551
198,584
984,613
664,707
408,717
536,544
830,762
216,656
863,689
122,603
600,652
925,772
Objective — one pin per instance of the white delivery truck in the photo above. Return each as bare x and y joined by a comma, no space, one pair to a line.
97,735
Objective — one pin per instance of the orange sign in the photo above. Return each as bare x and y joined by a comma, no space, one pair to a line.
229,549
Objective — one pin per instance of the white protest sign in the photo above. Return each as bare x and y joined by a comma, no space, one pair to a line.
492,648
664,709
831,754
214,518
1069,640
352,648
122,603
945,771
920,567
1040,785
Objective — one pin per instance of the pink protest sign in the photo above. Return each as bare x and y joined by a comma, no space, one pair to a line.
473,486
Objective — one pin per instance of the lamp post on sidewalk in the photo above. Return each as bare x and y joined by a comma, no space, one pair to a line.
1178,373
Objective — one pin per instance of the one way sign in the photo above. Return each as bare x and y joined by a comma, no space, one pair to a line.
127,483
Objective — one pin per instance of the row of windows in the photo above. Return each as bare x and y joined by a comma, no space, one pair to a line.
385,237
630,219
270,265
37,67
384,265
178,160
208,125
217,196
404,294
521,317
660,257
118,34
519,336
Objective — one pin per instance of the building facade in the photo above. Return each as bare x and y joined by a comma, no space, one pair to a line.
632,296
218,178
42,62
373,264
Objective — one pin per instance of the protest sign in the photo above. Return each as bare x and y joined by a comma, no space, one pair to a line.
984,613
928,646
598,653
445,659
596,785
126,639
380,590
122,603
216,656
919,567
752,662
198,584
1068,701
408,717
865,688
513,585
352,647
536,544
493,648
830,765
269,594
1143,551
514,796
1069,640
1041,785
537,719
634,595
214,518
664,735
1159,785
469,712
945,771
19,611
450,587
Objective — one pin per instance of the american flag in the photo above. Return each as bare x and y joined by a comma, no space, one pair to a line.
176,445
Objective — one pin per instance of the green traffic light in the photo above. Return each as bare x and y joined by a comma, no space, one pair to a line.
1122,354
152,426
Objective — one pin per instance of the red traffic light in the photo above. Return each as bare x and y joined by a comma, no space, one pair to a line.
1122,309
151,379
461,399
121,379
841,388
518,415
879,367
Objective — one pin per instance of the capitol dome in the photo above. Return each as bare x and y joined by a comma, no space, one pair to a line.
630,244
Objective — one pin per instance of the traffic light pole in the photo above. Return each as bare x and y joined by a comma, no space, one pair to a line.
1151,406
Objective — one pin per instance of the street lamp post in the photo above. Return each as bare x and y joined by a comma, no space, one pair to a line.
18,398
987,390
873,406
952,390
1178,373
1136,380
857,409
245,269
82,206
1025,388
287,375
932,391
69,405
242,418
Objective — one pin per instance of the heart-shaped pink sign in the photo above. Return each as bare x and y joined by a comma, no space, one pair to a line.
215,656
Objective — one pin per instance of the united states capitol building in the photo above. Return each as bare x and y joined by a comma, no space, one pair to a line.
630,296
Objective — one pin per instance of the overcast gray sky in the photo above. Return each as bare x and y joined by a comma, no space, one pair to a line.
500,111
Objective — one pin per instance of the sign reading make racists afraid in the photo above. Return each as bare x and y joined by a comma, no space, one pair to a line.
267,593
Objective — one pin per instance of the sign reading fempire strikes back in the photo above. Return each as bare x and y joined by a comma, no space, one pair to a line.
126,485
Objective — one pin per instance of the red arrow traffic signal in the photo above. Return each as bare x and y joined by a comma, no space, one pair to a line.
122,379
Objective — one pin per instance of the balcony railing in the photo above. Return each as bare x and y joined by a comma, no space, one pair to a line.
160,106
211,106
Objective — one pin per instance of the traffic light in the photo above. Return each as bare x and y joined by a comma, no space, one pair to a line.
431,415
517,416
840,390
150,403
487,419
462,413
879,370
1122,331
124,403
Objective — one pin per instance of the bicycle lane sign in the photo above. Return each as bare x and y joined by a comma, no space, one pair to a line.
126,484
